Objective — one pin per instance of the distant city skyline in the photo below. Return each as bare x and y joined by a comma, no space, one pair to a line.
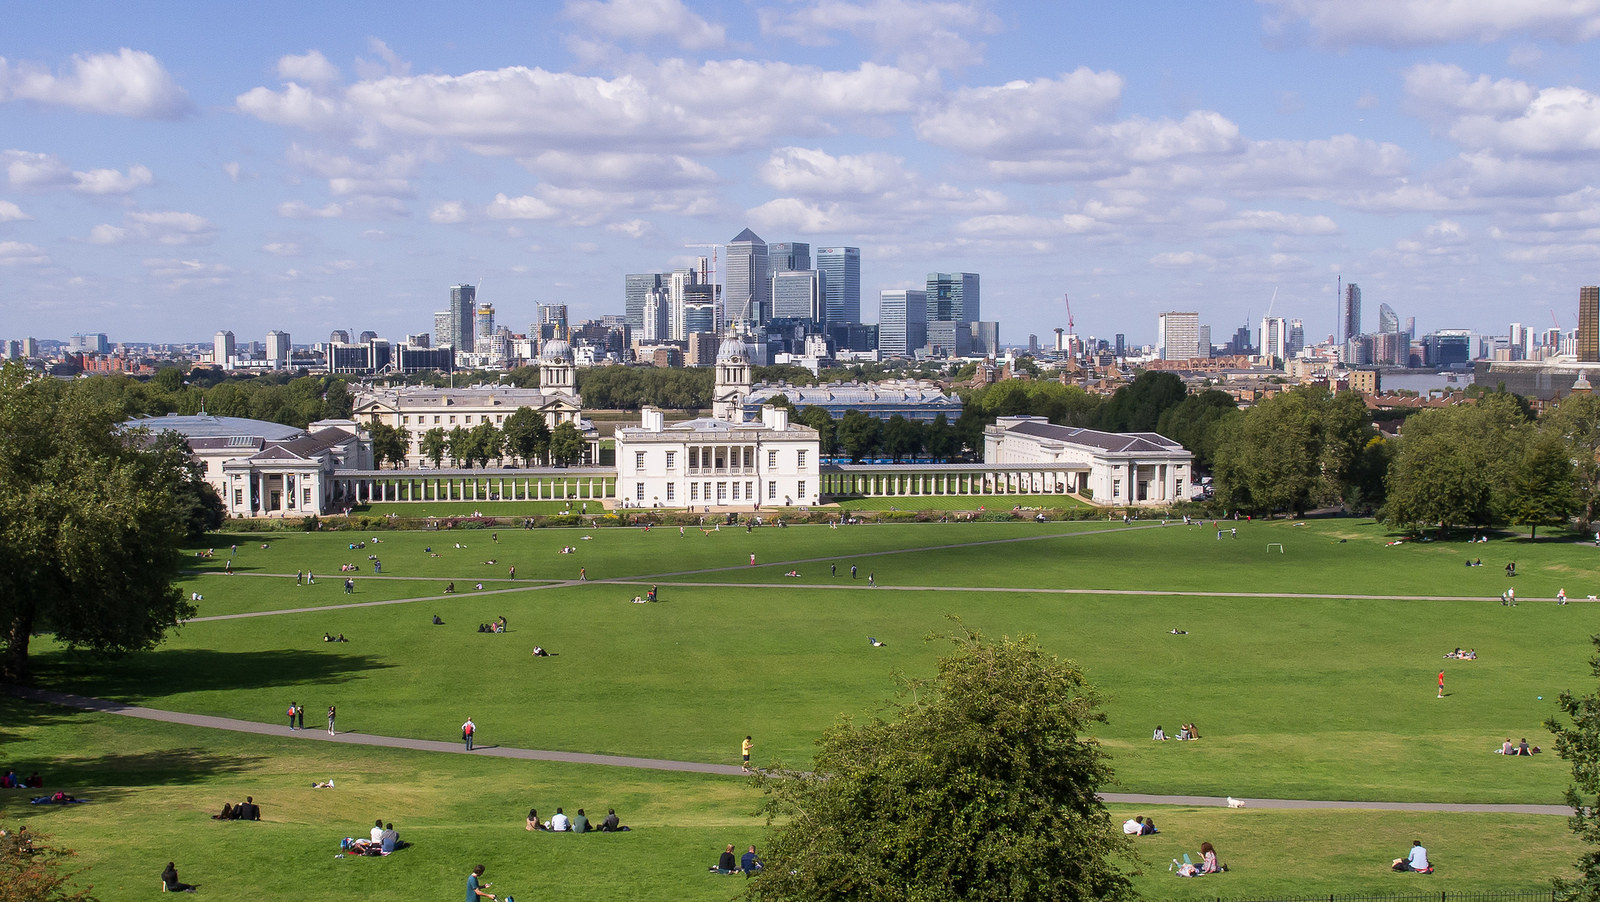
307,168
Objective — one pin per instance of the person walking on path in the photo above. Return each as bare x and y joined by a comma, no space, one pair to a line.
583,574
331,713
833,569
349,585
872,580
744,752
476,889
852,571
752,560
299,578
292,708
513,571
467,731
1441,684
300,714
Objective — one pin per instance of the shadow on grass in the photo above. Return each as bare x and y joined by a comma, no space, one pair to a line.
166,672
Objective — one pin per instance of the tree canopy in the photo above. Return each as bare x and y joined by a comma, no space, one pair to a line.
980,785
1292,452
90,524
1578,742
1458,466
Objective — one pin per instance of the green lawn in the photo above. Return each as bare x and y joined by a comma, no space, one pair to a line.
1323,698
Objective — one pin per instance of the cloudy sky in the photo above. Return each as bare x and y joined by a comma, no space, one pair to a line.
295,166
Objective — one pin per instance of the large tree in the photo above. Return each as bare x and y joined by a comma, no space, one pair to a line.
1579,743
1577,421
433,445
1545,494
527,435
1138,406
1292,452
981,785
90,524
34,869
567,444
1457,466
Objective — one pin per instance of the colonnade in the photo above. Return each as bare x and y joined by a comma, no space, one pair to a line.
951,479
368,486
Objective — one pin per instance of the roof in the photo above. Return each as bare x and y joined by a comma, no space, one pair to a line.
1114,442
713,427
747,235
205,425
852,394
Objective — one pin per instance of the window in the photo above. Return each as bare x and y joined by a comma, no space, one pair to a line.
238,498
749,458
694,491
736,491
722,492
800,487
499,418
801,463
436,418
671,490
638,460
452,418
672,459
638,491
406,420
750,490
772,460
1116,488
772,491
307,498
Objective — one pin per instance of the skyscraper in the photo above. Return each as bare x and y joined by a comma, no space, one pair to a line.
745,283
1589,324
953,297
463,304
798,294
1274,338
1352,311
1387,320
553,322
1178,336
278,349
841,286
1297,337
483,325
788,256
902,322
636,287
223,348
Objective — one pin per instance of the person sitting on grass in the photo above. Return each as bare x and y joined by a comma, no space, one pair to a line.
1159,735
750,863
389,840
560,823
1416,860
611,824
170,882
533,820
539,652
1209,863
727,862
580,822
1149,827
1506,748
227,812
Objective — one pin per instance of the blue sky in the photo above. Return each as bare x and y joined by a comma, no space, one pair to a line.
306,167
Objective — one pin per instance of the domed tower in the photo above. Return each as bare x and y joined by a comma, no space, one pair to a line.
733,380
557,372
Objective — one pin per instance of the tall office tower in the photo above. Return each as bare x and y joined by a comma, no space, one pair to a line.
553,320
902,322
1552,342
278,349
482,327
788,256
13,349
419,340
366,336
656,317
1589,324
1519,338
1274,337
339,336
953,297
463,304
223,348
1297,337
797,294
841,287
985,338
1202,340
744,282
30,347
1121,345
1033,343
443,329
1352,311
1178,337
636,287
1387,320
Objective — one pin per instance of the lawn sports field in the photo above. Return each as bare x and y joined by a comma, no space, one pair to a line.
1311,674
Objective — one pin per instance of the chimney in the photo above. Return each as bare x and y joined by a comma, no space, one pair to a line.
651,419
775,418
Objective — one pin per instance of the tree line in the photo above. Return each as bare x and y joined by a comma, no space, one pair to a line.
525,437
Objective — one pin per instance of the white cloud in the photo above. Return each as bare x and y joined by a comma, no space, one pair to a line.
926,32
1183,260
523,207
179,274
14,253
1443,89
1401,23
639,170
816,172
1277,222
107,234
363,207
126,83
647,21
310,68
1013,120
447,212
284,248
633,228
171,227
10,212
388,63
232,169
110,181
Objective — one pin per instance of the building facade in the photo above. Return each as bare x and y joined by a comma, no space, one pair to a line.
1120,469
1589,324
717,463
1352,311
745,280
798,294
902,322
1178,336
953,297
841,283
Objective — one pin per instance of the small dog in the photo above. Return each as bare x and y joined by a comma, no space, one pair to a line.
1235,803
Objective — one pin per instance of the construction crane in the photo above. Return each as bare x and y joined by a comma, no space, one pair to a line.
712,276
1071,340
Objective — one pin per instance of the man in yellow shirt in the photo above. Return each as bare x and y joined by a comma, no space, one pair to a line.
745,751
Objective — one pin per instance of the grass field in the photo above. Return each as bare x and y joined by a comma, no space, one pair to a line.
1297,697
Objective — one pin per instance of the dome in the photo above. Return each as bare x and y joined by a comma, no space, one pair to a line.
556,351
733,346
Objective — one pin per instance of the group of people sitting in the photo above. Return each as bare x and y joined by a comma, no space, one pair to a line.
349,568
1521,748
247,810
1470,654
56,798
494,626
1139,826
12,781
748,864
383,840
577,823
1208,863
328,637
1186,732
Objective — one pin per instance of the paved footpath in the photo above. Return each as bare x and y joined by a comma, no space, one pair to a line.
314,734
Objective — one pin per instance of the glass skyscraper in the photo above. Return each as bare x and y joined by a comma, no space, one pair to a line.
953,297
745,283
902,322
841,285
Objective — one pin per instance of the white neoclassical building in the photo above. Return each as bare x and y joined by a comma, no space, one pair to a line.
1135,468
716,463
418,409
263,469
